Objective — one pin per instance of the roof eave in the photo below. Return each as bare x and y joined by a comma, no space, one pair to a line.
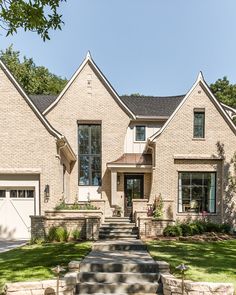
149,118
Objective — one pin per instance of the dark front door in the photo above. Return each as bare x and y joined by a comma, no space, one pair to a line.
133,190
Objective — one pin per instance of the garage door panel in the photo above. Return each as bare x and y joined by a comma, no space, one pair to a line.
15,215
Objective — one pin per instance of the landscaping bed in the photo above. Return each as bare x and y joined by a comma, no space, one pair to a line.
34,262
207,261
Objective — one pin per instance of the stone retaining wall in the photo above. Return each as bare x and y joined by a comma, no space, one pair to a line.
85,221
150,227
173,286
48,287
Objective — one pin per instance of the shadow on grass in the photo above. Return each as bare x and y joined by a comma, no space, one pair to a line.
34,262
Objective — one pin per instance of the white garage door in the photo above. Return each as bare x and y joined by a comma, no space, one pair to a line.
16,206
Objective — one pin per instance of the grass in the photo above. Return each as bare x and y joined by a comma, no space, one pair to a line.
207,261
34,262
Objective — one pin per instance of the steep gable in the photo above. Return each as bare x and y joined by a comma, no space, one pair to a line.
17,105
199,89
89,61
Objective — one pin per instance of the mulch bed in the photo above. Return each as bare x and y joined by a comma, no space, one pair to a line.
207,237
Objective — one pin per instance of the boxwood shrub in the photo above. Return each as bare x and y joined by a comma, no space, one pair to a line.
195,228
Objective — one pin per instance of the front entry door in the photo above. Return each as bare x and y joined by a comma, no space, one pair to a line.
133,190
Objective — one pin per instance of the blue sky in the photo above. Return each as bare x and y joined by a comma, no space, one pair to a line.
154,47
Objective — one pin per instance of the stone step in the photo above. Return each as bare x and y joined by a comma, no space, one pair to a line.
119,267
108,277
118,230
118,224
122,245
117,236
137,293
117,219
120,288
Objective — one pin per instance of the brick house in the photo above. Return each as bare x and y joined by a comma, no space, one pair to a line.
91,144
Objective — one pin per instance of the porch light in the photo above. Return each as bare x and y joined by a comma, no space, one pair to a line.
46,192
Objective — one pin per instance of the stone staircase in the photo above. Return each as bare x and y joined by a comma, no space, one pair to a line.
118,228
120,267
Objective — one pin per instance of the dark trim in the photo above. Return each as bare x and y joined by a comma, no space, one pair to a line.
134,176
199,111
89,122
212,172
144,133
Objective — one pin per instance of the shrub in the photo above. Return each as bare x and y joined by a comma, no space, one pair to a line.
225,228
212,227
75,206
158,207
75,234
186,229
172,231
58,234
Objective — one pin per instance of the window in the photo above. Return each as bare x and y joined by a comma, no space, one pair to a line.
21,193
140,134
2,194
199,124
89,137
197,192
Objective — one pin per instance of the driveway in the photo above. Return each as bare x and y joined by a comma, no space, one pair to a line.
6,245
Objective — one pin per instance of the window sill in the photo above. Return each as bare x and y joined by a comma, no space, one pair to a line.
198,139
140,141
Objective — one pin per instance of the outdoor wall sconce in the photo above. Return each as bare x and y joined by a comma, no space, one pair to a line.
46,192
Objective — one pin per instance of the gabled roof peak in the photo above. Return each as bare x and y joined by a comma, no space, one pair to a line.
88,55
200,77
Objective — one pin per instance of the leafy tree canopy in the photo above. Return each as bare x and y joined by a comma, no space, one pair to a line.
224,91
33,79
38,16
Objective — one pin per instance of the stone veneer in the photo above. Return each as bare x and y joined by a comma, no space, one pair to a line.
150,227
47,287
173,286
85,221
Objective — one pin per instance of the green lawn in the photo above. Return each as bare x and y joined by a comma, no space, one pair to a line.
212,262
34,262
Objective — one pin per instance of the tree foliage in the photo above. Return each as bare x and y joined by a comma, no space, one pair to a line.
33,79
224,91
38,16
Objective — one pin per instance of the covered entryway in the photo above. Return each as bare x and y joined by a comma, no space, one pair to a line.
130,180
18,200
133,187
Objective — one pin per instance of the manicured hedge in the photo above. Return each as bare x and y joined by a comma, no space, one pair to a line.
195,228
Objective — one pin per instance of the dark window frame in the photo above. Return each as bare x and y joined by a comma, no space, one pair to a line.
195,126
90,155
200,172
138,126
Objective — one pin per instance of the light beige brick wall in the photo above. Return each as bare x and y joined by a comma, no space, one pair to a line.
92,101
177,138
26,144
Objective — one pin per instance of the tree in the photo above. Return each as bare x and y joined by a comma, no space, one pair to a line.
224,91
33,79
38,16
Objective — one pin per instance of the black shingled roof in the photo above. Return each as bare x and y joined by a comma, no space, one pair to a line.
42,102
153,106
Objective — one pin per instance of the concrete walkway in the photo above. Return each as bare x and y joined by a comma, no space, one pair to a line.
120,267
6,245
